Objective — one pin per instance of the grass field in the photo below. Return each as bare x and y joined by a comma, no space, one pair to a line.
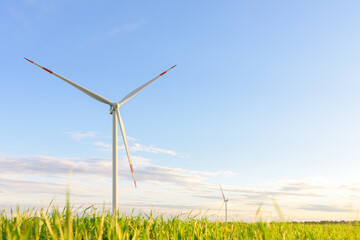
69,224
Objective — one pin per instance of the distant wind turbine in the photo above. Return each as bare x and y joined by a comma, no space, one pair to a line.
225,202
114,110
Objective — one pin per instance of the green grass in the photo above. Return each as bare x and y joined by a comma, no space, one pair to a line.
90,224
67,224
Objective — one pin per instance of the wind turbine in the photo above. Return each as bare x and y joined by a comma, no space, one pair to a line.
114,110
225,202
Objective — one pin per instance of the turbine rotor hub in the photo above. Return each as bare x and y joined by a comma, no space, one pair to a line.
113,107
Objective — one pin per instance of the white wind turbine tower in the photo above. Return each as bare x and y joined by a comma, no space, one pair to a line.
225,202
114,110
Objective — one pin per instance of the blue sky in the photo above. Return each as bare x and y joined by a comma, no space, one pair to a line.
264,100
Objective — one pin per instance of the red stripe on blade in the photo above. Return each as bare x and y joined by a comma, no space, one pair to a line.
132,170
174,66
47,70
163,73
135,183
29,60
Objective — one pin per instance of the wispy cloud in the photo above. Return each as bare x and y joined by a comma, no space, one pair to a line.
151,149
103,145
48,168
126,27
323,208
190,182
40,8
130,26
184,189
193,181
91,179
296,187
45,6
19,16
355,187
129,138
77,135
136,147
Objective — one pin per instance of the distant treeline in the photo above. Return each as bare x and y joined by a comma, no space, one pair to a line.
330,222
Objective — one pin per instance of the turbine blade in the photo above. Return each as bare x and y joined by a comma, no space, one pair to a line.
84,90
222,193
123,134
220,208
136,91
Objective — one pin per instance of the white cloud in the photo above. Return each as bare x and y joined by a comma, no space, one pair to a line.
47,169
46,166
77,135
129,138
36,176
103,145
151,149
136,147
167,188
324,208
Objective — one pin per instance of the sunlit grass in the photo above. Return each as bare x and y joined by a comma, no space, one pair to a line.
91,224
70,223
